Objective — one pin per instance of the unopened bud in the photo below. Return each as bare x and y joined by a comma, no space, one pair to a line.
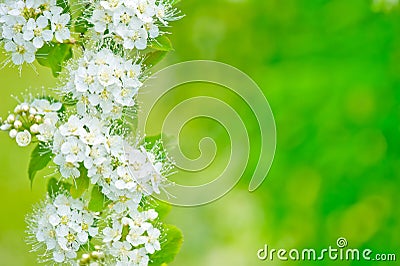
17,124
13,133
17,109
11,118
32,111
34,128
24,107
38,119
5,127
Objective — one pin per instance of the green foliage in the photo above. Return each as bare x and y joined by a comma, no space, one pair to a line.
55,186
153,58
65,5
81,184
97,201
162,43
40,158
163,209
54,55
169,248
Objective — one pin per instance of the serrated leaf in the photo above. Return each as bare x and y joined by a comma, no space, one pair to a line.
162,43
153,58
169,248
40,158
80,184
97,199
54,55
54,186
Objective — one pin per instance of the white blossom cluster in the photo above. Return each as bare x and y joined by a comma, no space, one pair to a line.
133,22
124,172
35,119
87,135
131,238
25,26
103,83
61,226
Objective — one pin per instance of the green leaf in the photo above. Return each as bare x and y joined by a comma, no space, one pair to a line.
169,248
54,55
54,186
80,184
40,157
83,13
153,58
162,43
163,209
81,25
64,4
97,200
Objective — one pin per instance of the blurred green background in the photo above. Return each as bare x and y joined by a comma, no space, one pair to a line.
331,73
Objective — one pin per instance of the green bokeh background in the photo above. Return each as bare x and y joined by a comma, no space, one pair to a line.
331,73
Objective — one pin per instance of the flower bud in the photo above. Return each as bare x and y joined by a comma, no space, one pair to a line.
5,127
11,118
17,124
13,133
24,107
33,111
34,128
17,109
38,119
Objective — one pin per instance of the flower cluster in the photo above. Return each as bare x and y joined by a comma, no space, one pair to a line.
97,210
27,25
125,173
61,226
35,119
103,83
131,238
133,22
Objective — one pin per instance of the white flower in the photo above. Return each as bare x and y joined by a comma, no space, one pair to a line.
62,226
104,83
74,127
152,244
59,23
113,233
23,138
74,150
139,257
142,238
67,169
134,22
26,25
22,51
135,236
35,31
44,106
134,38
